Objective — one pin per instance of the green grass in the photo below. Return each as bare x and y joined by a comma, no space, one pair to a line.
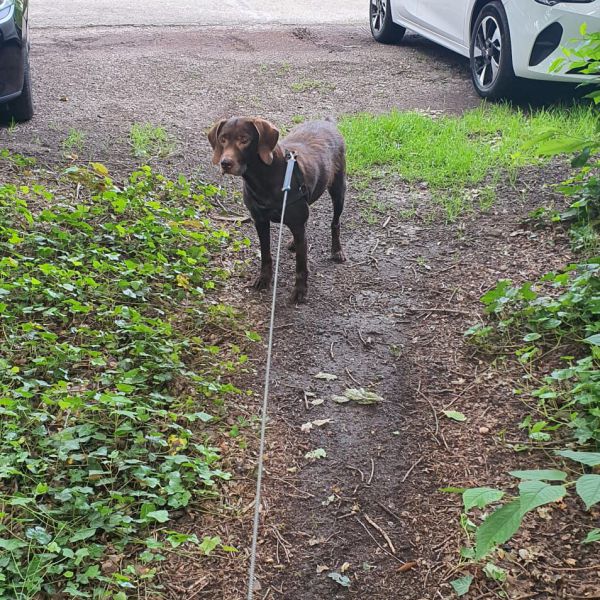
452,153
74,141
150,141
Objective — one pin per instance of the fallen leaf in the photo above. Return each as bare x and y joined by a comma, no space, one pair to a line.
340,399
326,376
317,401
321,422
321,568
455,415
341,579
407,567
362,396
306,427
358,395
345,567
314,454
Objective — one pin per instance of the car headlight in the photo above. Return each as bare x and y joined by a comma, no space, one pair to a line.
554,2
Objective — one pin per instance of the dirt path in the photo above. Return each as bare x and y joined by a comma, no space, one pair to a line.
391,319
99,81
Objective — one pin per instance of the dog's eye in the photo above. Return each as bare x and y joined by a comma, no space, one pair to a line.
222,139
244,140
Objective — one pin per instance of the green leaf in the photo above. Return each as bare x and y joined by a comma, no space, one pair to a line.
83,534
540,474
462,584
341,579
209,544
481,497
494,572
588,488
531,337
561,144
593,339
499,527
592,536
455,415
253,336
592,459
162,516
538,493
12,545
39,534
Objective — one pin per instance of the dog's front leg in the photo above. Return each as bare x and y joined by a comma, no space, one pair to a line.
263,281
301,287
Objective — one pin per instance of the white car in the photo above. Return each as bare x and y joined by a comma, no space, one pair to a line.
504,39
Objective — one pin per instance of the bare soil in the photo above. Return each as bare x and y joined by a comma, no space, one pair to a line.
391,319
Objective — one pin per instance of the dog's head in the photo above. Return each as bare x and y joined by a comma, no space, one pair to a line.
238,142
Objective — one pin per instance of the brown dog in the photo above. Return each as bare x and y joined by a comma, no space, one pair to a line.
249,148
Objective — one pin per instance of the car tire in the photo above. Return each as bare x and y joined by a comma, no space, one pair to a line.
383,28
491,54
21,108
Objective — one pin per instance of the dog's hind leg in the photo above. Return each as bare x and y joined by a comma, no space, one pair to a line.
337,191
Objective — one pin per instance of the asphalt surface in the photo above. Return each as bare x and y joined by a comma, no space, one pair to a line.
83,13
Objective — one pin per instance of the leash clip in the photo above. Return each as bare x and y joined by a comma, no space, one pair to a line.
290,157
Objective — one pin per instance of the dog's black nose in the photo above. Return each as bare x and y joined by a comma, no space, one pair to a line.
226,164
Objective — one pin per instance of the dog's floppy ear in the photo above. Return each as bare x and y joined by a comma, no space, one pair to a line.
267,139
213,138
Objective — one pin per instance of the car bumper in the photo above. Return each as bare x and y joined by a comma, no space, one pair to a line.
528,19
12,53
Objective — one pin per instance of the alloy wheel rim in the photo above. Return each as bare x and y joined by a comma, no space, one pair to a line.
377,14
487,52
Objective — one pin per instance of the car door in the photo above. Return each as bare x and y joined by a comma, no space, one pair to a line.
405,9
444,17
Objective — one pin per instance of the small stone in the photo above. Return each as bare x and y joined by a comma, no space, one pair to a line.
484,430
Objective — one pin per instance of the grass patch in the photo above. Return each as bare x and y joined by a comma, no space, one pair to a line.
150,141
74,141
452,153
108,384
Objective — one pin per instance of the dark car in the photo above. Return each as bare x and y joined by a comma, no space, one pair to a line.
15,80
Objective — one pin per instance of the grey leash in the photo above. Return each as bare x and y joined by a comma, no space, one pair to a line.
287,184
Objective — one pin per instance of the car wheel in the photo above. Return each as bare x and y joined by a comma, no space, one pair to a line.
21,108
383,28
491,54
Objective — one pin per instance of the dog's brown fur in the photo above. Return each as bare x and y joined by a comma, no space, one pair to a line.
249,147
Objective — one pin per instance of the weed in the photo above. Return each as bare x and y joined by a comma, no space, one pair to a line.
297,119
106,380
150,141
74,141
284,69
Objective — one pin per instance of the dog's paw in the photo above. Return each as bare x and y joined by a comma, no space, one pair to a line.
262,282
339,256
299,295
